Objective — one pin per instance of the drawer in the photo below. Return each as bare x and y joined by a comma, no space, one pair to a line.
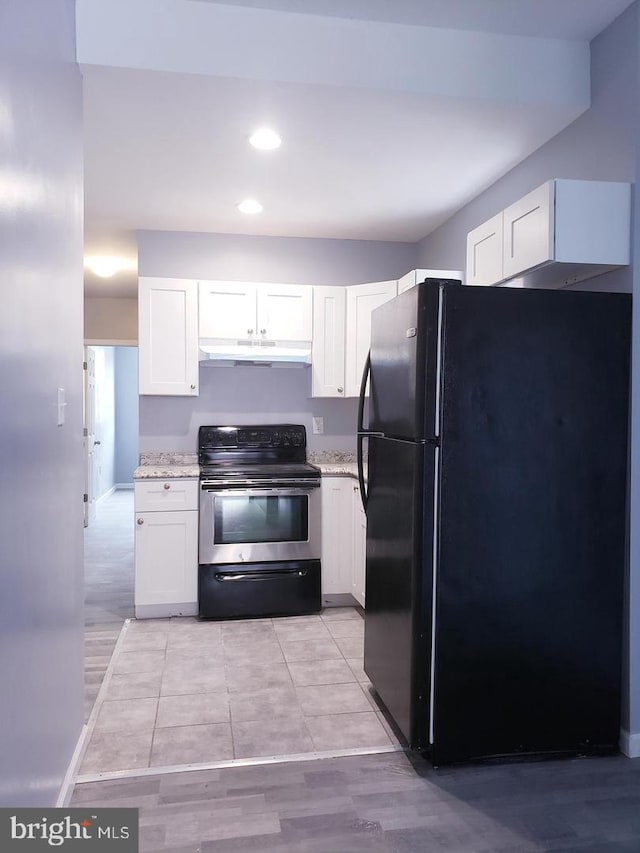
166,495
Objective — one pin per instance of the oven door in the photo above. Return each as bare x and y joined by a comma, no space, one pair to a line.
259,524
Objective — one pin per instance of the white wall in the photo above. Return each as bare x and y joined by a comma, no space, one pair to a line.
42,482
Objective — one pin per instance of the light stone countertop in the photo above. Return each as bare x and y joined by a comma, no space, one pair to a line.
338,469
167,466
166,472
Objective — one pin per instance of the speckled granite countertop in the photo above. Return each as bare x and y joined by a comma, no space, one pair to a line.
167,466
166,472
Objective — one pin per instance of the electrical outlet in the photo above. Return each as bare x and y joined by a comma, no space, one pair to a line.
318,426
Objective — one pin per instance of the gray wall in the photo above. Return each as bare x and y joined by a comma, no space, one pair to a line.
42,482
246,395
255,394
126,413
286,260
603,144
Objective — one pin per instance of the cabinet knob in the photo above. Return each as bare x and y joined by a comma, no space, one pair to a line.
340,390
141,521
249,331
167,485
263,331
193,386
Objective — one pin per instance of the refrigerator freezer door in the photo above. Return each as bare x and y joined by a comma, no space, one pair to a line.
398,582
532,530
403,364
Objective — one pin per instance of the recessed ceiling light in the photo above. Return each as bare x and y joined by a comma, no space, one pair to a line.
106,266
265,139
250,205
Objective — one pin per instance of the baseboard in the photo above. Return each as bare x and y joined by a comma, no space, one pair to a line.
630,744
123,485
339,599
107,494
159,611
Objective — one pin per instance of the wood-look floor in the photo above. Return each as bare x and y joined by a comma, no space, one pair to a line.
109,574
385,804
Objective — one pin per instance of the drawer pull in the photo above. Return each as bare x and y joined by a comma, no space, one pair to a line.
167,486
141,521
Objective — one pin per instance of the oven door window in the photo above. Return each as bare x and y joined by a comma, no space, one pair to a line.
242,519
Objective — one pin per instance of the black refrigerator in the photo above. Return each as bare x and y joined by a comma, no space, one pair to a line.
495,499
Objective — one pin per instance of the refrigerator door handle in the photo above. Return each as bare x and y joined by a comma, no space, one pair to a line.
361,435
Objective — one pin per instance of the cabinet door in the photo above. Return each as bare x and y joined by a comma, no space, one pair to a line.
337,535
285,312
168,336
528,231
166,558
484,252
227,310
359,548
362,299
327,353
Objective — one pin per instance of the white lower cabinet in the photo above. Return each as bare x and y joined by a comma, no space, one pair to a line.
337,536
359,527
344,541
166,550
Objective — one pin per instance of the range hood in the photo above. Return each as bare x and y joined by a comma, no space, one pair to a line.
265,354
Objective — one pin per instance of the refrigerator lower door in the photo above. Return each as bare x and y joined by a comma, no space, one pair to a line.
397,646
532,523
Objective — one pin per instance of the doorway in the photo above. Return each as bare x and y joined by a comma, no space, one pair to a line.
111,456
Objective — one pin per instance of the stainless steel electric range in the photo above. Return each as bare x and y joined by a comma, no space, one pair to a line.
259,542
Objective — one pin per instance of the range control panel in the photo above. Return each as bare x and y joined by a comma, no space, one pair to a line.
273,436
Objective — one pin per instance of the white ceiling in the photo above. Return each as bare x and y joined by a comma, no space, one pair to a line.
565,19
167,150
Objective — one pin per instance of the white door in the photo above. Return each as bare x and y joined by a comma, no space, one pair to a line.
89,432
327,354
285,312
529,231
166,558
362,299
484,252
168,336
337,535
228,310
359,548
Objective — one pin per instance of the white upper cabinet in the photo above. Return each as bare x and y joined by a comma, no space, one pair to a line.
562,232
284,312
484,252
327,354
168,336
414,277
233,310
227,309
362,299
528,230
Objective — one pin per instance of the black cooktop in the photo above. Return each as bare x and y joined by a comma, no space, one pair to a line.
262,451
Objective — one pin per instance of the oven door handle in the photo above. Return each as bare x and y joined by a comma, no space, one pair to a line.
259,575
275,490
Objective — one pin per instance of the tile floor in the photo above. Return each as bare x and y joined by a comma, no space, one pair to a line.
188,692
